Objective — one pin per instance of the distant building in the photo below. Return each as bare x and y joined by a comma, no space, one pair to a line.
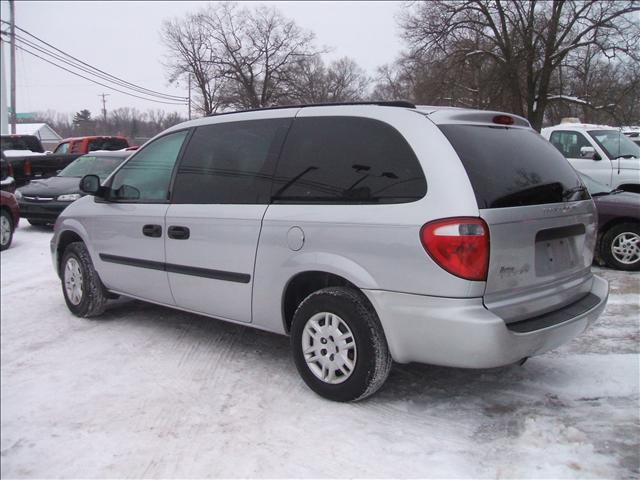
44,132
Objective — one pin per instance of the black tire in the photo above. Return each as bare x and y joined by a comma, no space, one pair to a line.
93,297
607,244
373,360
37,223
6,216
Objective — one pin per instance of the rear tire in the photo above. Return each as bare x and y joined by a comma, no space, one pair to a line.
82,289
620,247
6,229
338,344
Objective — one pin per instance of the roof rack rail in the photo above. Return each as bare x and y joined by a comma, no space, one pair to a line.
394,103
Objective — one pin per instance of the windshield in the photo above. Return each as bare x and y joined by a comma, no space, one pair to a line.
92,164
594,187
615,144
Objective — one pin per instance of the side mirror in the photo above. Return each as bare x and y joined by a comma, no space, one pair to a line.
90,184
589,152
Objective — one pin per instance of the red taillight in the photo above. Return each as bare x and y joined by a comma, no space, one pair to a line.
26,168
459,245
503,120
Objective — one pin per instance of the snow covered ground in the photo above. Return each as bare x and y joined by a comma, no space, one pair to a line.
146,391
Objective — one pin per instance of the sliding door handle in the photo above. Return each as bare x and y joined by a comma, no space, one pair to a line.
152,231
178,233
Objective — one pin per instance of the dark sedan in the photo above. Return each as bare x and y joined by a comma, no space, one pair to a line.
41,201
618,225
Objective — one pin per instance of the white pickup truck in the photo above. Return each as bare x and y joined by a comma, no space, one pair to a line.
602,152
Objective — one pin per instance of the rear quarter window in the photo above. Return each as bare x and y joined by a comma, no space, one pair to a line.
347,160
512,167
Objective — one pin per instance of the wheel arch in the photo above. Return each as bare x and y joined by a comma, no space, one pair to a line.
602,229
69,232
302,284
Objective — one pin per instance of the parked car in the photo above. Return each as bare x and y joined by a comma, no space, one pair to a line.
618,225
9,218
7,182
604,153
41,201
366,232
28,166
29,143
633,133
82,145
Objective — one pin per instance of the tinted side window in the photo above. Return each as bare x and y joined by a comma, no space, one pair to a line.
569,143
146,176
512,167
341,160
230,162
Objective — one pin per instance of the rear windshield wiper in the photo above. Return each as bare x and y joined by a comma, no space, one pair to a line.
568,193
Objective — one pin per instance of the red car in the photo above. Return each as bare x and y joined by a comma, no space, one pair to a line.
9,218
89,144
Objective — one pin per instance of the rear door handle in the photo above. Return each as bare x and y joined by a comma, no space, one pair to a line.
152,230
178,233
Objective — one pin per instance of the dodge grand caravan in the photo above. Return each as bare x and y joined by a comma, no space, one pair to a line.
366,232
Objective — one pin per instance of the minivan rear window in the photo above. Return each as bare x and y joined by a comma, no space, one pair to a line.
512,167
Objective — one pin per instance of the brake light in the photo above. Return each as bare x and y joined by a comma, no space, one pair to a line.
26,168
503,120
458,245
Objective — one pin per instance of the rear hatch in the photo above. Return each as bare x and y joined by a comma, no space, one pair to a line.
542,222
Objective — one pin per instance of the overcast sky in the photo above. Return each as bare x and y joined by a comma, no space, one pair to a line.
123,39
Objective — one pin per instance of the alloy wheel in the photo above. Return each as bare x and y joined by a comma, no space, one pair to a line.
5,230
625,248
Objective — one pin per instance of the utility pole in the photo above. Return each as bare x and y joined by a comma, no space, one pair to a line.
189,96
104,105
12,34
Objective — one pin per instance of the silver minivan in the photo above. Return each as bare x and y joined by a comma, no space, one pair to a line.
368,233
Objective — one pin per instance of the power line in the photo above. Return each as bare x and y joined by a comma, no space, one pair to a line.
22,48
117,80
84,69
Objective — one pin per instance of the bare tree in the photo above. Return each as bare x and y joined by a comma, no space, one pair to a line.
189,59
238,57
527,42
310,81
137,126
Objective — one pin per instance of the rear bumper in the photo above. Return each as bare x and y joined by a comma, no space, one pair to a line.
463,333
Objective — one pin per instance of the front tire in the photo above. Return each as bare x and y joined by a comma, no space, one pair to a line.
620,247
82,289
6,229
338,344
